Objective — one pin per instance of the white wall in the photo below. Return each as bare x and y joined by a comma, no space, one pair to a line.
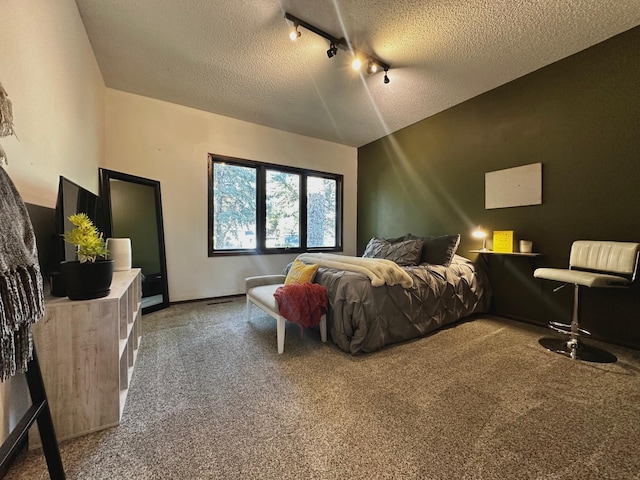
48,68
170,143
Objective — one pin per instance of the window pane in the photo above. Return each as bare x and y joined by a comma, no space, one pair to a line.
283,209
234,207
321,212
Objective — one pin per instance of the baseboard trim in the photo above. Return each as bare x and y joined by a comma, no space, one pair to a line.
598,338
219,299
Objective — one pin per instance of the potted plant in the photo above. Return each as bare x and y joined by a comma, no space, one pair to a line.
90,276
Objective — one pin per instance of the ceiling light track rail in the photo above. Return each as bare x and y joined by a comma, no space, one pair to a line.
373,64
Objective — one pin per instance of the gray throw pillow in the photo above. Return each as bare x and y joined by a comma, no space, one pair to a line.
396,239
404,253
376,248
438,250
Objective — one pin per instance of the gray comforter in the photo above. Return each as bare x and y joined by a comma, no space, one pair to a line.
363,318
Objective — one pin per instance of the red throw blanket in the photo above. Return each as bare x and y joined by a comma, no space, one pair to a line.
302,303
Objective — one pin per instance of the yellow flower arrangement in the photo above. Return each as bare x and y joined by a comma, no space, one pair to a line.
86,237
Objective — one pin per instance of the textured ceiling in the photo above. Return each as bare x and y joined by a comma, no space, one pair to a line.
234,57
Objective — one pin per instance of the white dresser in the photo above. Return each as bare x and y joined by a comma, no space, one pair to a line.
87,349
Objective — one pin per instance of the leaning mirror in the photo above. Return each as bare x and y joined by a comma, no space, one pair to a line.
134,210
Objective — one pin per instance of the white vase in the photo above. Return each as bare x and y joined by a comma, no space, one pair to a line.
526,246
120,253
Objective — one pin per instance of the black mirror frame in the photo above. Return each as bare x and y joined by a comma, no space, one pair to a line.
105,193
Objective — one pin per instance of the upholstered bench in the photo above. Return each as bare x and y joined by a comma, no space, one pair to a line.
260,292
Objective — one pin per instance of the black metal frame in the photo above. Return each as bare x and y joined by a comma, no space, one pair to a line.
40,412
261,248
105,193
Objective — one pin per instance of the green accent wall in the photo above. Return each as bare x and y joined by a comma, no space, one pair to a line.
580,117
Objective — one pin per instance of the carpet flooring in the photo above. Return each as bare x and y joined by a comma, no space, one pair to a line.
211,399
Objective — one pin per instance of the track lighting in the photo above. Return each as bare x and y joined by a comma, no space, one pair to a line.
373,64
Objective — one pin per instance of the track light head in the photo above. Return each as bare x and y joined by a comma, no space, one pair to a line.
372,67
294,33
386,78
333,50
356,64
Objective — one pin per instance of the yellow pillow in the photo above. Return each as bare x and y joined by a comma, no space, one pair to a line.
300,273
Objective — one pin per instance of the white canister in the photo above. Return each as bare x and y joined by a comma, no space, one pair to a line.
120,253
526,246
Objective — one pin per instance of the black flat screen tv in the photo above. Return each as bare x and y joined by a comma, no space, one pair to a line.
72,198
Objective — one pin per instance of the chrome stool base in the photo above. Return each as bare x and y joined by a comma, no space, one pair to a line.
577,350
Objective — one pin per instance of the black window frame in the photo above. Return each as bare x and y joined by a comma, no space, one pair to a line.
261,169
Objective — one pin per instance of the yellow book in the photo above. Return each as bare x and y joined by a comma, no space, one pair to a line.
503,241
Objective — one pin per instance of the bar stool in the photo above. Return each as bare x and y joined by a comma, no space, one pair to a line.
592,264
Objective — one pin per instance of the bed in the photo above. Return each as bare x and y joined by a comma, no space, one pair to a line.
364,318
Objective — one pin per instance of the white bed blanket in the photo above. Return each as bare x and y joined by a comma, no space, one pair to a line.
379,271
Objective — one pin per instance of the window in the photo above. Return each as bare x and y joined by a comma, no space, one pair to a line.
262,208
283,209
321,211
